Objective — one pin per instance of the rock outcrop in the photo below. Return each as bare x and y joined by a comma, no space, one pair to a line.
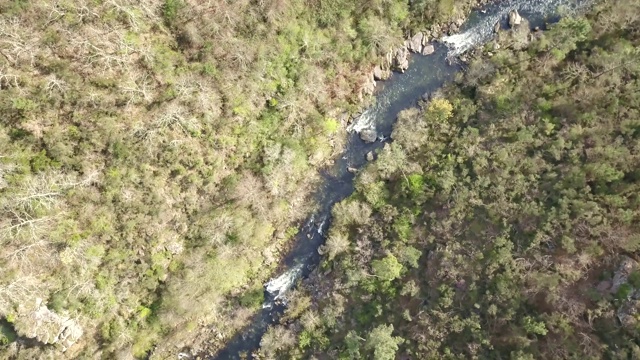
369,86
625,291
398,59
419,44
428,49
401,59
369,156
514,18
621,276
416,43
627,314
368,135
46,326
381,74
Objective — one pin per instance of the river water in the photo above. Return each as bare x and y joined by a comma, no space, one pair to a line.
425,75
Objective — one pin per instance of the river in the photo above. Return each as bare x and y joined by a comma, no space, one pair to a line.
425,75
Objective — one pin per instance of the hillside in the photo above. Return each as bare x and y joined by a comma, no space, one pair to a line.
156,156
503,221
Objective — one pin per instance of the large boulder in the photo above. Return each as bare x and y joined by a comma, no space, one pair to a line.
368,135
514,18
46,326
381,74
415,43
370,156
621,276
388,60
369,86
496,27
401,59
428,49
628,314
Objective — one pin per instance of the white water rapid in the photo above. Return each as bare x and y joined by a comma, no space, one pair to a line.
481,30
478,30
426,74
366,120
279,286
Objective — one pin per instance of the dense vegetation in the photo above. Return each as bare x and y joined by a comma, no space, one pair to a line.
503,222
156,155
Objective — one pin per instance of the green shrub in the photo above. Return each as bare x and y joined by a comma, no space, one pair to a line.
252,298
388,268
170,11
304,340
41,162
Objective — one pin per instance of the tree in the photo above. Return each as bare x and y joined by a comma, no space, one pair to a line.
352,341
337,243
383,344
409,256
388,268
440,110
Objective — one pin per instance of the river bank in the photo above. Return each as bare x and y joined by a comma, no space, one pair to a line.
393,97
157,158
450,258
339,172
240,304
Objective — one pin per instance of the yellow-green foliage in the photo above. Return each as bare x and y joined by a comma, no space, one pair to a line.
439,110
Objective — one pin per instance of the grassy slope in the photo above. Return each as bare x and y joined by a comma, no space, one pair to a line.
493,225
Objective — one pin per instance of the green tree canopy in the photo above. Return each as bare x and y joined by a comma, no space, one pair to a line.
383,343
388,268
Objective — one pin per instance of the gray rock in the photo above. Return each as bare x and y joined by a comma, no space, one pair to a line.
401,59
368,135
514,18
369,86
415,43
377,73
370,156
352,170
380,74
428,49
388,59
621,276
628,313
496,27
46,326
322,249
